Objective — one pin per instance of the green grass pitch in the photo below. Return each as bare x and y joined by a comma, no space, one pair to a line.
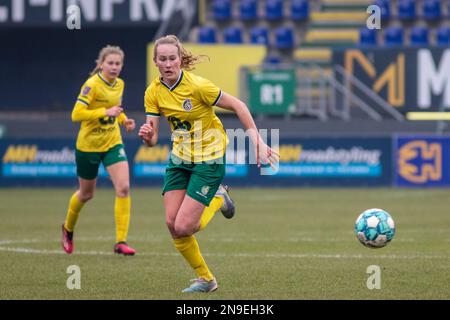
282,244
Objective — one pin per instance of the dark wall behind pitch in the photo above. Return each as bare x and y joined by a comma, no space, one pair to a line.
44,68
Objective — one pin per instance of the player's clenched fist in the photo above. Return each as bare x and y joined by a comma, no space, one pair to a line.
129,125
113,111
146,132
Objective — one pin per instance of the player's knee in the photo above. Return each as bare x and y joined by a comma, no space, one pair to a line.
184,230
170,223
85,196
123,191
172,232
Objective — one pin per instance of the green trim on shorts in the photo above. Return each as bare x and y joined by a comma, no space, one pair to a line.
88,163
200,180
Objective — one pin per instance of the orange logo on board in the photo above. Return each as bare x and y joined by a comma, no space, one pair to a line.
427,157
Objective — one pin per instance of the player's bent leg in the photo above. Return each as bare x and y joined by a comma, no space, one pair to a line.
119,173
205,187
209,212
73,211
189,249
172,203
186,223
76,203
86,190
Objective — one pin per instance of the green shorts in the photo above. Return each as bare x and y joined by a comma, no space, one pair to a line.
89,162
200,180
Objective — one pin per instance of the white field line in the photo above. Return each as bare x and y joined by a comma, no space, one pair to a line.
4,248
223,239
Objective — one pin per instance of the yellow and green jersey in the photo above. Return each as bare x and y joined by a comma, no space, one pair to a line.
197,133
98,133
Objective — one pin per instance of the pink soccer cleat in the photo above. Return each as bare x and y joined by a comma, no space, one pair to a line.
123,248
67,240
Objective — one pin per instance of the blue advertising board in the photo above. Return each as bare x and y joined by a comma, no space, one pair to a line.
51,162
39,162
346,161
303,162
422,161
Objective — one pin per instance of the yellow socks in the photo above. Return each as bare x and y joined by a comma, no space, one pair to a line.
188,247
208,212
122,209
75,206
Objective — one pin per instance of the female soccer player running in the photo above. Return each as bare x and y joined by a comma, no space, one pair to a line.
99,110
192,183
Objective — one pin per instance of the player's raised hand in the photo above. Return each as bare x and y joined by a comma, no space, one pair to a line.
113,111
129,125
266,155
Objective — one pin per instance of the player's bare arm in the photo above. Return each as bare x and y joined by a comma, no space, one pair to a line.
265,154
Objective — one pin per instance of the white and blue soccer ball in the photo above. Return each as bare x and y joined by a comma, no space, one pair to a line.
375,228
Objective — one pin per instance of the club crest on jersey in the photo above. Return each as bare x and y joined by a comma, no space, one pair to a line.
86,90
187,105
205,190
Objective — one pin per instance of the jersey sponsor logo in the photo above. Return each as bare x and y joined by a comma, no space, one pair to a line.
103,130
187,105
86,90
107,120
178,124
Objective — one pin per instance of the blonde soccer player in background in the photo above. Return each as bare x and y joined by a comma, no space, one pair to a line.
192,183
99,110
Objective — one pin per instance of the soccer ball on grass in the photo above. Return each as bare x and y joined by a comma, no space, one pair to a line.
374,228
